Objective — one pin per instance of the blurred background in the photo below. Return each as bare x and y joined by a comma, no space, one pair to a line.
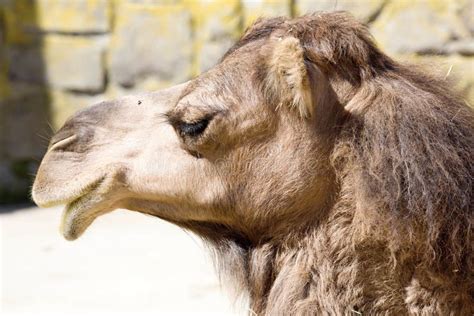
57,56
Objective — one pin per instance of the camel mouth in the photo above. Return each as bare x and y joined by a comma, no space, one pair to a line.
79,214
47,193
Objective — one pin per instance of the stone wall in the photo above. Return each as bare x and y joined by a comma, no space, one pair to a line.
57,56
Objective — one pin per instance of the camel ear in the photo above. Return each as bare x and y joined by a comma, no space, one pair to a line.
287,76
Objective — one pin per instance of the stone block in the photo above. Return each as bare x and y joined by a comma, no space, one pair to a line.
463,47
151,41
3,70
19,21
24,123
69,62
253,9
418,26
3,150
4,85
364,10
2,23
457,69
218,24
26,19
150,84
160,2
16,178
466,12
63,104
211,52
461,70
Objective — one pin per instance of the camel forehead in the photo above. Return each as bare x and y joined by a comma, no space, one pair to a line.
228,85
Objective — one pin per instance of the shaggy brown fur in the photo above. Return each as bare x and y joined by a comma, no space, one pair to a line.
399,239
328,178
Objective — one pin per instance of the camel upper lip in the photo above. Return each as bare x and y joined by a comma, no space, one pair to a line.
44,199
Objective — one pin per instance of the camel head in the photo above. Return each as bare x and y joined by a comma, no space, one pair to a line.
241,150
328,177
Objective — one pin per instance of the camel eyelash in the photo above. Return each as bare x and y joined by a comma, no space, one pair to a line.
193,129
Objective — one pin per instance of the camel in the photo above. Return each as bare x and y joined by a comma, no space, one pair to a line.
328,178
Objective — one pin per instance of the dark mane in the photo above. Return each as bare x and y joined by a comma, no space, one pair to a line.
408,153
334,41
406,150
408,145
261,29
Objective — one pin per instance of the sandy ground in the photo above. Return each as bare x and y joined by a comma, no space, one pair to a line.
125,264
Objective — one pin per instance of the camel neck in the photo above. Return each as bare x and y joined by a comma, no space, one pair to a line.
348,265
326,271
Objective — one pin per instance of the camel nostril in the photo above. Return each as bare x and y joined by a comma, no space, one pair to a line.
59,137
62,143
72,138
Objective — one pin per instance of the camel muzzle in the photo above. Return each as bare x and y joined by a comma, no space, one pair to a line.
88,161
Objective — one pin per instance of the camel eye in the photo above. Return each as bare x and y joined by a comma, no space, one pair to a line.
193,129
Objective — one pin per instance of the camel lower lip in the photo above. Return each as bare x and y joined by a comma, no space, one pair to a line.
80,213
75,219
65,227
